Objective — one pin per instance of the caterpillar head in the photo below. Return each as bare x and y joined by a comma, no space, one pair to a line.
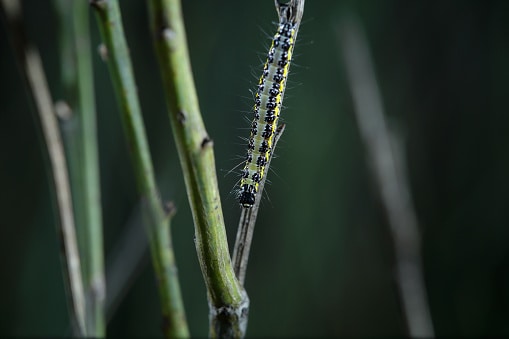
247,196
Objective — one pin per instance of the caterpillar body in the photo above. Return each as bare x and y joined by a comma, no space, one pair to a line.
268,99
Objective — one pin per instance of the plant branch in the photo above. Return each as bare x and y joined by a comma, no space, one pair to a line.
91,182
31,66
157,220
227,300
247,223
83,157
389,176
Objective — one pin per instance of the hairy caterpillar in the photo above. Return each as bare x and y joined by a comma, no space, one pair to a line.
268,100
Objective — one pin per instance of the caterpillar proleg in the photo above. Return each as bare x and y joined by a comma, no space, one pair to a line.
268,99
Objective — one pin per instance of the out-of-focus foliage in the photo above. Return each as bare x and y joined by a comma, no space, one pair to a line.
322,260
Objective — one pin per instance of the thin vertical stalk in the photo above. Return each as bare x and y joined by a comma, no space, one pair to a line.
30,64
157,221
228,303
95,283
67,112
247,223
80,134
389,176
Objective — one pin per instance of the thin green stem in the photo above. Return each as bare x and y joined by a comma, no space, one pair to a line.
80,135
91,182
33,73
227,299
157,221
67,111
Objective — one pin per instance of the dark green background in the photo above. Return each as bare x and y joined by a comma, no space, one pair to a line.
322,260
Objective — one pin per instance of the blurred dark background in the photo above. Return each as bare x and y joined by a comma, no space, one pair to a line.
322,261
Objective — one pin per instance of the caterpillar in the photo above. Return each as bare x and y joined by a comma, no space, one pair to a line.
268,100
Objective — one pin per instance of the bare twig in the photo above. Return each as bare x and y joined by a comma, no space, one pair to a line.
80,135
31,66
389,176
157,219
247,223
227,301
95,283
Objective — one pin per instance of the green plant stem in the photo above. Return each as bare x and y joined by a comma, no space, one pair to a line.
30,64
226,297
91,182
110,24
80,135
66,109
